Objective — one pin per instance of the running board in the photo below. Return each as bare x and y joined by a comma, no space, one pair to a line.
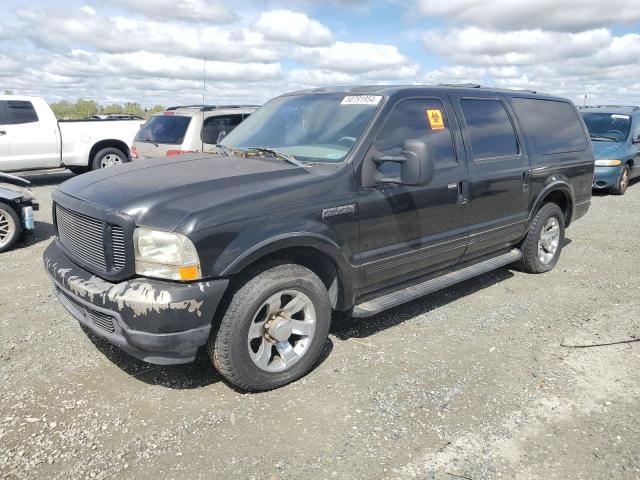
413,292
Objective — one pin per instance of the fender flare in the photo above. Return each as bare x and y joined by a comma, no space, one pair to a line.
325,245
555,186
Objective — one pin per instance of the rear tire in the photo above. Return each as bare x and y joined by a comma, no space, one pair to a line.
260,344
10,227
622,183
544,241
108,157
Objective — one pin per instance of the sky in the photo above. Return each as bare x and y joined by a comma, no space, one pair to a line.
154,51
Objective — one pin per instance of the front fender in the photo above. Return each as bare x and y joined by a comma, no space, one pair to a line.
318,241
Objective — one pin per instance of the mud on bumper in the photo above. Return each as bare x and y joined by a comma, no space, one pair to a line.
156,321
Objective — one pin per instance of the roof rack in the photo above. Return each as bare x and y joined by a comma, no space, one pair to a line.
462,85
477,85
632,107
206,108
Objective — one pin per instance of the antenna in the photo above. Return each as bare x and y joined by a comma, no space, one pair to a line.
584,104
204,79
204,89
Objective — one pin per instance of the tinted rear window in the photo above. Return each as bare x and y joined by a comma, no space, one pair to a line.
490,129
553,127
214,126
169,129
22,111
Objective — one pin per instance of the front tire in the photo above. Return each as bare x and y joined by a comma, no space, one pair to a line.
544,241
10,227
273,330
108,157
623,181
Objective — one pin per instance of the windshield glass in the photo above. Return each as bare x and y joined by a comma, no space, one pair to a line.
167,129
607,126
312,127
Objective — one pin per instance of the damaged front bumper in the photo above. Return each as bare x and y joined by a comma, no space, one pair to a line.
156,321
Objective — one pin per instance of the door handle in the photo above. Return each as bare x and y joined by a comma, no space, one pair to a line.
463,192
3,132
526,180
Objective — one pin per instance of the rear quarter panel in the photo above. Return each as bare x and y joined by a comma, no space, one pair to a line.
570,171
79,137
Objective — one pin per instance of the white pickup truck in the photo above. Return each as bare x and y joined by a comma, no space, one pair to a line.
32,138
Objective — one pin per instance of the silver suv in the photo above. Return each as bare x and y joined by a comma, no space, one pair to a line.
185,129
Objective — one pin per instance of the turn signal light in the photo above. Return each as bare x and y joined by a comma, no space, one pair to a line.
191,272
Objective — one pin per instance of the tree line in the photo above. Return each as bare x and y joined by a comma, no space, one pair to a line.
81,108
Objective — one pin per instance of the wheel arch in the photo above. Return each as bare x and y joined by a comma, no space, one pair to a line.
560,193
108,143
316,252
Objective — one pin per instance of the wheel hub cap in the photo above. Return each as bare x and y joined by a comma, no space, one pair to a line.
549,241
281,330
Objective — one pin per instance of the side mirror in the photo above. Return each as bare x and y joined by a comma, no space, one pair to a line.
221,135
636,139
417,164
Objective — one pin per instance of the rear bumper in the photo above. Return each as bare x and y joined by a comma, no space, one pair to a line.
156,321
606,177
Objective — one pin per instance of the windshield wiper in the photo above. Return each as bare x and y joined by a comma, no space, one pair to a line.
223,149
282,156
596,137
148,140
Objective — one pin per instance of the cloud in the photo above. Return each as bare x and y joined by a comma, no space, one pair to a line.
476,46
82,63
354,57
294,27
210,11
121,34
568,15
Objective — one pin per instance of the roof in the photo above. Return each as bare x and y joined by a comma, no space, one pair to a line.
620,109
207,108
392,89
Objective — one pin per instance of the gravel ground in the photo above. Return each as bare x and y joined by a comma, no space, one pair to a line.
472,382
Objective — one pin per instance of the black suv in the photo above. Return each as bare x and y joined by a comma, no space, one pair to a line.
353,199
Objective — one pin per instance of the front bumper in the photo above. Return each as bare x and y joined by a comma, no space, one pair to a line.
156,321
606,177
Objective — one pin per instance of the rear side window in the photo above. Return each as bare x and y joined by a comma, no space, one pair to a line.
490,129
553,127
417,118
213,127
167,129
5,119
21,111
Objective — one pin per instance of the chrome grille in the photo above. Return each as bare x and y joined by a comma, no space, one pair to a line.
83,237
117,240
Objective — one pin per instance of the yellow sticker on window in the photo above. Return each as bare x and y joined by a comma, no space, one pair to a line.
435,119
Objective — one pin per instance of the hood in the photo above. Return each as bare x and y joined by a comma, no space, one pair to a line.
606,149
160,193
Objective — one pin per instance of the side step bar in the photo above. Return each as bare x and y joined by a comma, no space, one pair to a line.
413,292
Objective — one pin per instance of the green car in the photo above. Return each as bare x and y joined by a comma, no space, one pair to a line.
615,134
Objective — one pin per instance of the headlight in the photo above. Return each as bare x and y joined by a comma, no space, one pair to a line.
607,163
165,255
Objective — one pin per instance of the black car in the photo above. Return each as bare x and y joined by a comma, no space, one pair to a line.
353,199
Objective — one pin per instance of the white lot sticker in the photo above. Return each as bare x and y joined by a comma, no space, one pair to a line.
361,100
615,115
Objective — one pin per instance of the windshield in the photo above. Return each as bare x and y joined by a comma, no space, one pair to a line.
167,129
607,126
312,127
